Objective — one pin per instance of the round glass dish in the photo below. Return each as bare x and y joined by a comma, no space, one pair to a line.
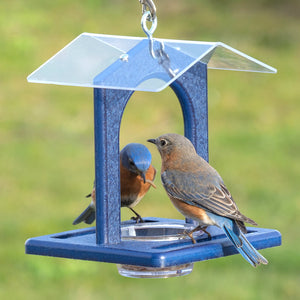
152,232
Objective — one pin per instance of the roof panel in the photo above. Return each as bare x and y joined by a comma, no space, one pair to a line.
119,62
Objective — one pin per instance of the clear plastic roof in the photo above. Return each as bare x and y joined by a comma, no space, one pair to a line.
131,63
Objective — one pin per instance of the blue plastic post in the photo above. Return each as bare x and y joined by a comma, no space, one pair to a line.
108,109
191,90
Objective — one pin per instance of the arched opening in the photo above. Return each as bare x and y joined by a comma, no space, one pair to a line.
150,118
149,115
109,105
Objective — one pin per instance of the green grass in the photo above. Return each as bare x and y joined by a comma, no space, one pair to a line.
46,144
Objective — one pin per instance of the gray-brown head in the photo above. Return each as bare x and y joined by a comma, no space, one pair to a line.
174,146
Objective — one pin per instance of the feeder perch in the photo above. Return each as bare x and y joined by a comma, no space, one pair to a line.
116,66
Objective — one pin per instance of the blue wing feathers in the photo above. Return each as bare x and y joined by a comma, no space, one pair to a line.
244,247
87,216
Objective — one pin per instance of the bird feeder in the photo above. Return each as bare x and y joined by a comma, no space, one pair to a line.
115,67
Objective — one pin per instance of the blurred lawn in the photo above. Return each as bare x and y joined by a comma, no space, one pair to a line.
46,144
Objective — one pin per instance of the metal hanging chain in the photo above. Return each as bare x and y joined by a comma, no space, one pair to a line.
148,5
149,14
149,32
164,60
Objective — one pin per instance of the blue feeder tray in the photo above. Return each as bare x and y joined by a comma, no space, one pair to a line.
148,250
116,66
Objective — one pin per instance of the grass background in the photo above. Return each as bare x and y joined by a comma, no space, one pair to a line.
46,144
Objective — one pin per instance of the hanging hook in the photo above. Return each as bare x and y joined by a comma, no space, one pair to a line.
149,14
148,5
149,32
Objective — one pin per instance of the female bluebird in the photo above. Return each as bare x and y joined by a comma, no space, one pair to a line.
199,193
136,174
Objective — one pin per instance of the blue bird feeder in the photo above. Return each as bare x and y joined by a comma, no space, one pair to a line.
115,67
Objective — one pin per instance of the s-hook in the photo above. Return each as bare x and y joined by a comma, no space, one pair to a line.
149,14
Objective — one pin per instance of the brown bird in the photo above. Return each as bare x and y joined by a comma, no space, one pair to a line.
198,192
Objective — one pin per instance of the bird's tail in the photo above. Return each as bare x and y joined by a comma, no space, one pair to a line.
244,247
87,216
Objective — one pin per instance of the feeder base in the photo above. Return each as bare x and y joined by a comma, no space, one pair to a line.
157,247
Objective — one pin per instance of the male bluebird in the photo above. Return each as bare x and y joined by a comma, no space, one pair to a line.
199,193
136,174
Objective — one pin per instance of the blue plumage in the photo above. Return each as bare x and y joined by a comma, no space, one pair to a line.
136,174
238,239
136,157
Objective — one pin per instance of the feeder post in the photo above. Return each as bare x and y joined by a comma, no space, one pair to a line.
191,91
109,105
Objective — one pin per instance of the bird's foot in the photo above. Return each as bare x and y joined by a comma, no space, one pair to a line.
138,219
190,235
208,234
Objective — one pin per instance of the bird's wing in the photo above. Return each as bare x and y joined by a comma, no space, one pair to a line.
192,188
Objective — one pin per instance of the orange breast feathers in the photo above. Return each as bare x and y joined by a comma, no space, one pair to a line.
192,212
133,187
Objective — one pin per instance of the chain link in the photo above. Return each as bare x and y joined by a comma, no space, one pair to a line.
148,5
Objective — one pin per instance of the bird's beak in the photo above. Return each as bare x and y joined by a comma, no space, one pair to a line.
143,175
153,141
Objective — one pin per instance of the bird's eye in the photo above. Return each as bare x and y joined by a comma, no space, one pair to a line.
131,162
163,142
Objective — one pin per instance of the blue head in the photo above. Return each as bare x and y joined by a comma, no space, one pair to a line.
136,158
